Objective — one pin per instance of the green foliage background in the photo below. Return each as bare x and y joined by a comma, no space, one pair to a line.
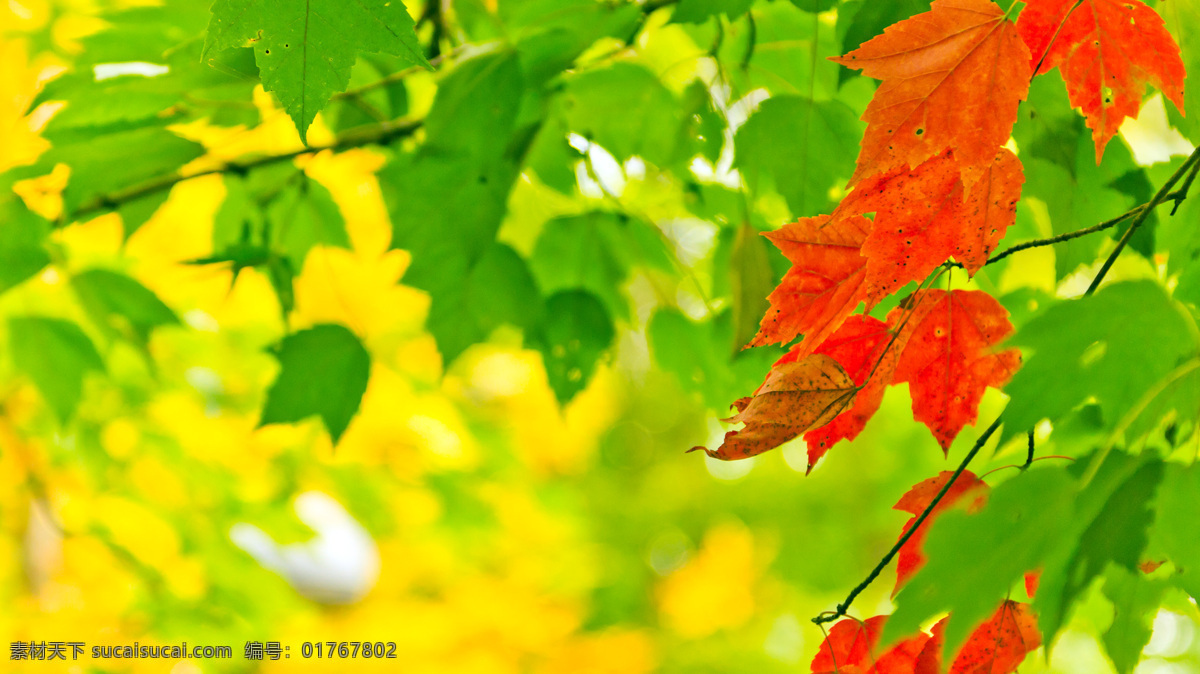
490,314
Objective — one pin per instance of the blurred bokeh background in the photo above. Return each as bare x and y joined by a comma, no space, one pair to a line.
469,513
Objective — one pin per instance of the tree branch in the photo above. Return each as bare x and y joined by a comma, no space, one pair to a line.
384,132
372,135
830,616
1163,195
1038,243
1178,196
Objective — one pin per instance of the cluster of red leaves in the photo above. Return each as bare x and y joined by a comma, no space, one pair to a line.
938,342
937,182
996,646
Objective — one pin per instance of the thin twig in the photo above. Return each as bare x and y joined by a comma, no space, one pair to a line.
1159,198
830,616
1181,194
1038,243
1178,196
372,135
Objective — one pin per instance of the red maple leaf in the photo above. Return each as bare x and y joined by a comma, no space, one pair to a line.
997,646
923,216
859,346
949,356
850,649
1107,51
917,499
795,397
952,77
824,285
1032,580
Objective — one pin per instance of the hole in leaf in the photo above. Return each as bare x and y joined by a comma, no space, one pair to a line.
920,132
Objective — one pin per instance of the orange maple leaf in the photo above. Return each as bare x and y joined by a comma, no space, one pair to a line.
923,216
1107,51
952,77
997,646
861,347
917,499
795,397
850,649
824,285
949,358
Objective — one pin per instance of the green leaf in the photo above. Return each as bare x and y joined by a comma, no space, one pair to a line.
323,372
550,34
472,152
625,109
1108,524
1047,128
699,11
103,166
1177,527
500,289
305,215
22,237
305,51
1061,172
750,280
56,355
1097,347
181,86
120,304
551,156
975,559
799,147
1174,399
871,18
703,357
577,330
1135,600
1181,18
814,5
595,252
220,89
143,33
702,125
787,48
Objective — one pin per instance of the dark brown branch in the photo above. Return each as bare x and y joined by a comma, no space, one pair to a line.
1163,194
1038,243
373,135
830,616
381,133
1178,196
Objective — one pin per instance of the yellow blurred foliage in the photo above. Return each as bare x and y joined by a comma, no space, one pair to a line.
715,590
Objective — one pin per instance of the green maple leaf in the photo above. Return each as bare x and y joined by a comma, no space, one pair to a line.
305,50
323,371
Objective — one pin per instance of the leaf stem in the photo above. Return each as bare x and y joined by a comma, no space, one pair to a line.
1050,44
830,616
